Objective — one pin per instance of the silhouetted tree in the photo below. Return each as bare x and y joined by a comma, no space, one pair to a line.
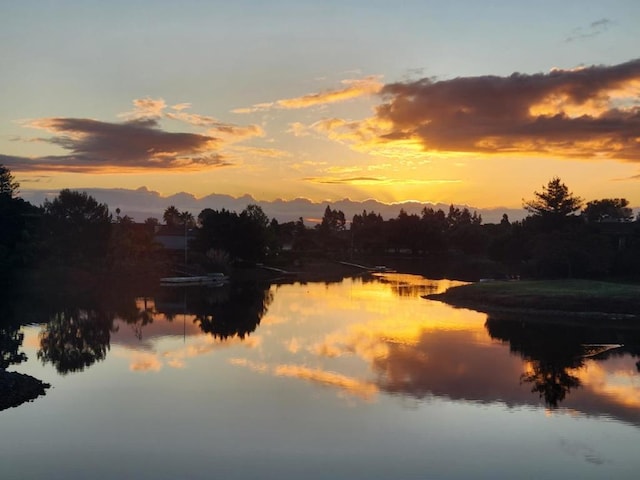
8,185
132,248
554,203
616,209
20,242
243,236
78,227
367,232
171,216
332,221
152,222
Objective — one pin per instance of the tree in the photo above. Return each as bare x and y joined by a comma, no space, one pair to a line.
175,218
8,184
186,218
19,233
555,200
615,209
241,236
78,208
152,222
332,221
171,216
256,215
78,227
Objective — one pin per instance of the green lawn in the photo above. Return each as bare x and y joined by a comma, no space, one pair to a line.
561,295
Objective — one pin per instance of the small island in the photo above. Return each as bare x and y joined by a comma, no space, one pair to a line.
574,297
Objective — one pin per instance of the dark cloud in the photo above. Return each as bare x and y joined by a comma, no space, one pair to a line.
594,29
583,112
98,146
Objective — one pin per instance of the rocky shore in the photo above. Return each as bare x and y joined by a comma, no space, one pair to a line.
17,388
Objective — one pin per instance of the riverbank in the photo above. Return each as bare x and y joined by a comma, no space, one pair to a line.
577,297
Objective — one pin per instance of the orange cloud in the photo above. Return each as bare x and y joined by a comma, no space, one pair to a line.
145,109
353,88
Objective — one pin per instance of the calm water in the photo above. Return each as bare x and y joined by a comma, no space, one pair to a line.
358,379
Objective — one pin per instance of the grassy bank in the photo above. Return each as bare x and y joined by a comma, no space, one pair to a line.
584,296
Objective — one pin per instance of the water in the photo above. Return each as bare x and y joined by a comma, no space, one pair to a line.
357,379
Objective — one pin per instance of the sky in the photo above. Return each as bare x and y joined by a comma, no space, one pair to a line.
466,102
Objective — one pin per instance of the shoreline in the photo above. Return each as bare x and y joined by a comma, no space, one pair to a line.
578,299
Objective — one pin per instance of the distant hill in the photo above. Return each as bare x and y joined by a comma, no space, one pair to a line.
143,203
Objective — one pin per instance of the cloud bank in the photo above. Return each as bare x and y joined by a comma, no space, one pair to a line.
587,112
137,143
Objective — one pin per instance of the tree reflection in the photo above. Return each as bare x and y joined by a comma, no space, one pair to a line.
551,381
138,315
238,315
556,349
408,286
10,342
75,339
77,317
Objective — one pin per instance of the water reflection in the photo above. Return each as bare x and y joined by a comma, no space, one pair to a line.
77,322
15,388
364,371
422,349
74,339
363,337
562,357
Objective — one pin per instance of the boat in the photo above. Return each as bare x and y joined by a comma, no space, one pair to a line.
212,280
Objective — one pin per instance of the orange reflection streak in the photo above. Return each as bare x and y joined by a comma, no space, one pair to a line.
362,389
384,320
387,326
620,386
145,362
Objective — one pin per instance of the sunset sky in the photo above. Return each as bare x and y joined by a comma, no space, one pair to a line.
477,103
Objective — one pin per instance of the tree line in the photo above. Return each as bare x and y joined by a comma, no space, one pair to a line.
562,236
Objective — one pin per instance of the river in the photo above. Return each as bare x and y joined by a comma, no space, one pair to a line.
358,379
